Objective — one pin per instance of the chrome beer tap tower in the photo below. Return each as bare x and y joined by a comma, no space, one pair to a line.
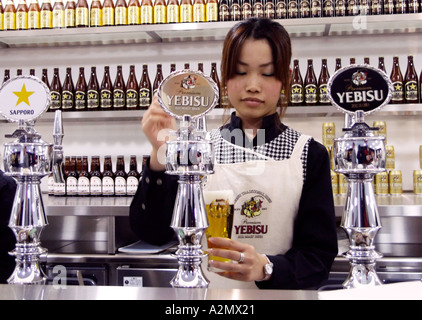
188,95
360,154
28,159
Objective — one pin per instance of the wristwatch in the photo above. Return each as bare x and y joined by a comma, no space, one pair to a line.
268,269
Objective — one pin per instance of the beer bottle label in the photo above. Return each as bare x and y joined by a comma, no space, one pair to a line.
397,91
146,14
108,186
72,186
58,19
96,18
105,98
132,185
296,93
82,16
95,186
310,93
21,20
323,94
131,98
33,20
108,16
9,21
83,186
133,15
93,99
120,186
80,102
199,12
59,189
118,98
224,13
46,19
185,13
411,91
159,13
56,98
172,13
212,12
144,97
121,15
69,18
67,99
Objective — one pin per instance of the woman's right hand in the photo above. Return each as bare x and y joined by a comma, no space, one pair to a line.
156,125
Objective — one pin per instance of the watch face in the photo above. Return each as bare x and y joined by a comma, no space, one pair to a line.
268,269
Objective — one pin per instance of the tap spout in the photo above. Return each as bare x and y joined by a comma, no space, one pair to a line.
58,157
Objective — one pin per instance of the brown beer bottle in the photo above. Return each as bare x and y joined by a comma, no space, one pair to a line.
22,15
296,85
133,12
338,64
235,10
133,176
69,14
328,9
96,14
32,72
67,91
9,16
397,80
173,11
83,178
46,15
119,90
106,94
145,89
401,6
413,6
310,84
82,14
211,10
58,15
200,66
132,88
305,8
6,75
293,9
120,13
224,10
324,76
411,85
269,9
172,67
246,9
147,12
55,91
214,76
108,13
257,9
120,177
96,177
72,179
108,177
19,72
44,77
381,65
316,8
160,11
93,91
186,13
80,91
158,78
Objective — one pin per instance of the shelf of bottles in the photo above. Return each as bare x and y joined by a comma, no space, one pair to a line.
120,21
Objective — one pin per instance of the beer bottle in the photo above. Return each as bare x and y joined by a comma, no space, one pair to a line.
22,15
160,11
211,10
257,9
158,78
32,72
224,10
172,67
413,6
310,83
93,91
58,15
67,91
9,16
352,8
82,14
324,76
6,75
376,7
80,91
293,9
296,85
338,64
411,82
108,13
246,9
96,177
106,94
1,16
96,14
328,9
235,14
186,14
147,12
69,14
199,10
397,80
72,179
19,72
133,176
46,15
121,177
108,177
401,6
133,12
389,7
187,67
173,11
201,67
381,65
366,60
132,88
269,9
144,89
214,76
120,13
281,9
119,90
55,91
316,8
340,8
83,178
365,7
305,8
352,61
44,77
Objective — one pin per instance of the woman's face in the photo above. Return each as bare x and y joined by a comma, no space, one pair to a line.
254,91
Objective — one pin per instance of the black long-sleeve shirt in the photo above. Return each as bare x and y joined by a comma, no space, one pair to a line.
314,246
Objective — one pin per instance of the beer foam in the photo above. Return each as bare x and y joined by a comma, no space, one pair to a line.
210,196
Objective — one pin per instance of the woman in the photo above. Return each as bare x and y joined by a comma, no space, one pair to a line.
288,172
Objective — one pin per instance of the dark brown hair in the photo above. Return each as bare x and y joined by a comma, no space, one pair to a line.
279,41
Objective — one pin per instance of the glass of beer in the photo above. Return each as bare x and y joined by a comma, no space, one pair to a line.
219,205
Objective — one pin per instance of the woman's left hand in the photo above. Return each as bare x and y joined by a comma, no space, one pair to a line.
250,269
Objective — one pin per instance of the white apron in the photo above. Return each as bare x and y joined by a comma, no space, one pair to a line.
267,194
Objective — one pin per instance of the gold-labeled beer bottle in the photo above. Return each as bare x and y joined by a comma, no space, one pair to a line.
173,11
67,91
381,64
69,14
199,10
147,12
235,14
108,177
106,94
46,15
158,78
96,177
72,179
296,85
132,88
93,91
211,10
269,9
397,80
133,12
82,14
9,16
310,84
145,89
1,16
324,76
83,178
96,14
22,15
257,9
58,15
108,13
44,77
246,9
121,177
133,176
55,91
160,11
214,76
120,13
186,14
119,90
224,10
411,85
80,91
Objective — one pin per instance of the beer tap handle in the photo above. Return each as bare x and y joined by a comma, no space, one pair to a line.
58,158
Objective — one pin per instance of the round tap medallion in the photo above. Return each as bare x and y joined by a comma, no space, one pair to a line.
24,98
